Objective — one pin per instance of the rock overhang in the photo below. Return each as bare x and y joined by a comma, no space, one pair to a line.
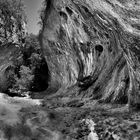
83,42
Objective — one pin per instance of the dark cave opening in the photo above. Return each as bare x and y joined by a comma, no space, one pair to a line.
99,48
41,78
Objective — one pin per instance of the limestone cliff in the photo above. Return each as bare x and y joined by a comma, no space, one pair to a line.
93,44
92,50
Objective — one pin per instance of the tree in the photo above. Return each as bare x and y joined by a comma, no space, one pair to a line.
30,68
12,21
23,83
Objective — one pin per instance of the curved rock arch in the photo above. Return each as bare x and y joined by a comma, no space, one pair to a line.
72,31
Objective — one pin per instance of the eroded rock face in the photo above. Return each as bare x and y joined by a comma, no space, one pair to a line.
7,54
93,44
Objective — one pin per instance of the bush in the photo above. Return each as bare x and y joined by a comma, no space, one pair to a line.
23,82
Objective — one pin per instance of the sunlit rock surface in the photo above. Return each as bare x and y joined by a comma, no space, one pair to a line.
93,44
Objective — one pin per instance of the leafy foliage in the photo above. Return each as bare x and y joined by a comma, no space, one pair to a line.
29,67
12,21
29,59
23,83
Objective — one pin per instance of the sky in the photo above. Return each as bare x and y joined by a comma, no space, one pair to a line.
32,8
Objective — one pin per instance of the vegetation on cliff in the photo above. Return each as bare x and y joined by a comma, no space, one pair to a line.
12,22
27,70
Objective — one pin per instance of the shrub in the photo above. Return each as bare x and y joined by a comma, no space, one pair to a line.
23,82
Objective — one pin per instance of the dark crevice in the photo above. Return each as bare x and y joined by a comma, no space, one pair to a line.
13,94
81,68
123,100
69,11
86,9
96,89
86,82
64,15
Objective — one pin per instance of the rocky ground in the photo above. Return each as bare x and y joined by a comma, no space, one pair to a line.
65,119
113,122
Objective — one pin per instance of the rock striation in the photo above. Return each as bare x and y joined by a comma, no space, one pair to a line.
91,50
93,45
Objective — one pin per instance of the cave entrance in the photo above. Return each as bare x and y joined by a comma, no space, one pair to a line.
39,83
41,77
